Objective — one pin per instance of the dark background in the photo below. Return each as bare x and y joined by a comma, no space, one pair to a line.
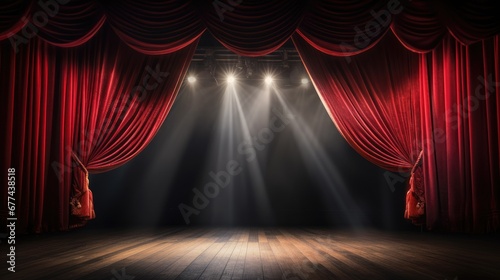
350,192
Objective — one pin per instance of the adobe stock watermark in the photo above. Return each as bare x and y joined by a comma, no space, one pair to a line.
381,20
39,19
122,275
151,79
221,7
222,178
482,92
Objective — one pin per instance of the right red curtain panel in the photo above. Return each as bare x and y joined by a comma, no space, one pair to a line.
460,107
435,115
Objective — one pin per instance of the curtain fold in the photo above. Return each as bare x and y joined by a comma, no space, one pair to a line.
373,99
252,28
13,14
119,94
419,26
29,126
344,28
470,21
155,27
69,24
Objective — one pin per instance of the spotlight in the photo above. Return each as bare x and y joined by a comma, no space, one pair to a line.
304,81
269,80
230,79
191,79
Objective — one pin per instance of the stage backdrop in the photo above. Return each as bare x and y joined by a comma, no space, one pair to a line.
412,85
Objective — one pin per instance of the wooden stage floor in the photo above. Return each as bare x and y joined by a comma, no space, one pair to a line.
253,253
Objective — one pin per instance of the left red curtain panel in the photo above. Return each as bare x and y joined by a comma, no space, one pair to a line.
69,111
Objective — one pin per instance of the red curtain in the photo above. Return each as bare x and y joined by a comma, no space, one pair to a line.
336,27
252,28
461,133
49,91
155,27
28,102
373,99
69,24
343,28
381,99
464,203
13,16
118,101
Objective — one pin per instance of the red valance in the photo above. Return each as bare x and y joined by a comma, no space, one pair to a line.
255,28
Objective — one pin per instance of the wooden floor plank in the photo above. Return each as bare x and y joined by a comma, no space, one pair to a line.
237,272
305,244
231,265
253,264
269,267
187,257
305,268
288,268
213,270
198,266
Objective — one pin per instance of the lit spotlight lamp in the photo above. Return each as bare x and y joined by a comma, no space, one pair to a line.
268,80
230,78
191,79
304,81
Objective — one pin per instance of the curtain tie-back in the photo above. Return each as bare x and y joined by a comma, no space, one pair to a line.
80,164
81,200
415,203
417,162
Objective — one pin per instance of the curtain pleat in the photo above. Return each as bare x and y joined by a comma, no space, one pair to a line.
252,28
155,27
